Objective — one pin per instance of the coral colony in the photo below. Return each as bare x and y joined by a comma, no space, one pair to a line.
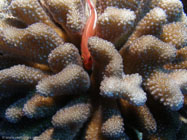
135,89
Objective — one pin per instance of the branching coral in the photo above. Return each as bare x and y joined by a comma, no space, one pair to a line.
69,14
175,33
180,62
127,88
147,52
135,90
151,23
20,75
71,80
39,106
71,118
94,126
139,116
30,12
173,8
167,87
122,19
62,56
33,43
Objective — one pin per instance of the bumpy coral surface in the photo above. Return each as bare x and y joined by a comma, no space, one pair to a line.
136,89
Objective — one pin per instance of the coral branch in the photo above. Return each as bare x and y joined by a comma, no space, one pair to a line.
33,43
146,51
14,113
173,8
71,80
30,11
20,75
107,60
94,126
180,62
62,56
69,15
129,4
175,33
165,87
72,117
113,126
115,25
151,23
39,107
127,88
47,135
143,118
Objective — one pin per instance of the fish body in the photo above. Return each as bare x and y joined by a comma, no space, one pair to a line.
89,30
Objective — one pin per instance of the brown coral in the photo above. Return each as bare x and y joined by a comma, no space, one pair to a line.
20,75
122,19
145,53
164,88
135,90
34,43
173,8
175,34
69,17
71,80
62,56
30,12
150,24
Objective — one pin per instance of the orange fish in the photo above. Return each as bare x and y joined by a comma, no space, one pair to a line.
89,30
